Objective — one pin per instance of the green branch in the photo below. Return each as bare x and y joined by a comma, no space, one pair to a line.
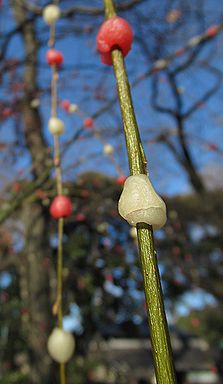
60,288
133,142
160,340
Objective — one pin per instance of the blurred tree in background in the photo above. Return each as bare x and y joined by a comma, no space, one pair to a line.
176,72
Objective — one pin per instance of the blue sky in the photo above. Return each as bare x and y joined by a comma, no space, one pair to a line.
79,77
86,72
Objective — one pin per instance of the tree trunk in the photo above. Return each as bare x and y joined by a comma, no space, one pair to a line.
34,272
34,275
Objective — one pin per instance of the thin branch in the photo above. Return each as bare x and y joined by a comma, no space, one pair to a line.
12,33
208,93
11,205
165,139
84,10
154,102
190,60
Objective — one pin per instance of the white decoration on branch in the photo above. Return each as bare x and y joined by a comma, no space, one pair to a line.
51,14
60,345
108,149
139,203
194,41
56,126
34,103
160,64
73,108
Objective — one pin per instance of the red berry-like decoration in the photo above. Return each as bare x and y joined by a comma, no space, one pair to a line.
212,31
114,33
7,112
54,57
80,217
213,147
61,206
88,122
65,105
121,180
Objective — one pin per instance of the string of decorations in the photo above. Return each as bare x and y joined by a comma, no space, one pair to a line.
89,124
60,343
108,151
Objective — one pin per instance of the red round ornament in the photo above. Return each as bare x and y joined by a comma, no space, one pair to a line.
88,122
213,147
7,112
212,31
114,33
80,217
121,179
84,193
179,51
61,206
54,57
65,105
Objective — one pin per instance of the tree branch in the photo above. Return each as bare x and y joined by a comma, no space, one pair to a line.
84,10
154,102
207,94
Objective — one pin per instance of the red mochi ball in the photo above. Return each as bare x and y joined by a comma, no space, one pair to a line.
54,57
88,122
114,33
65,105
61,206
121,180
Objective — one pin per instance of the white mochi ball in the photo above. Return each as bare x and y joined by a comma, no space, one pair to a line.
60,345
51,14
56,126
73,108
108,149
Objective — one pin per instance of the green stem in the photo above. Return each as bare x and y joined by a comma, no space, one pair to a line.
60,287
109,9
54,91
132,137
160,340
161,348
58,165
60,271
62,374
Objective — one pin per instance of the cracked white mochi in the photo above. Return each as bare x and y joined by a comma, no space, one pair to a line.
60,345
139,203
